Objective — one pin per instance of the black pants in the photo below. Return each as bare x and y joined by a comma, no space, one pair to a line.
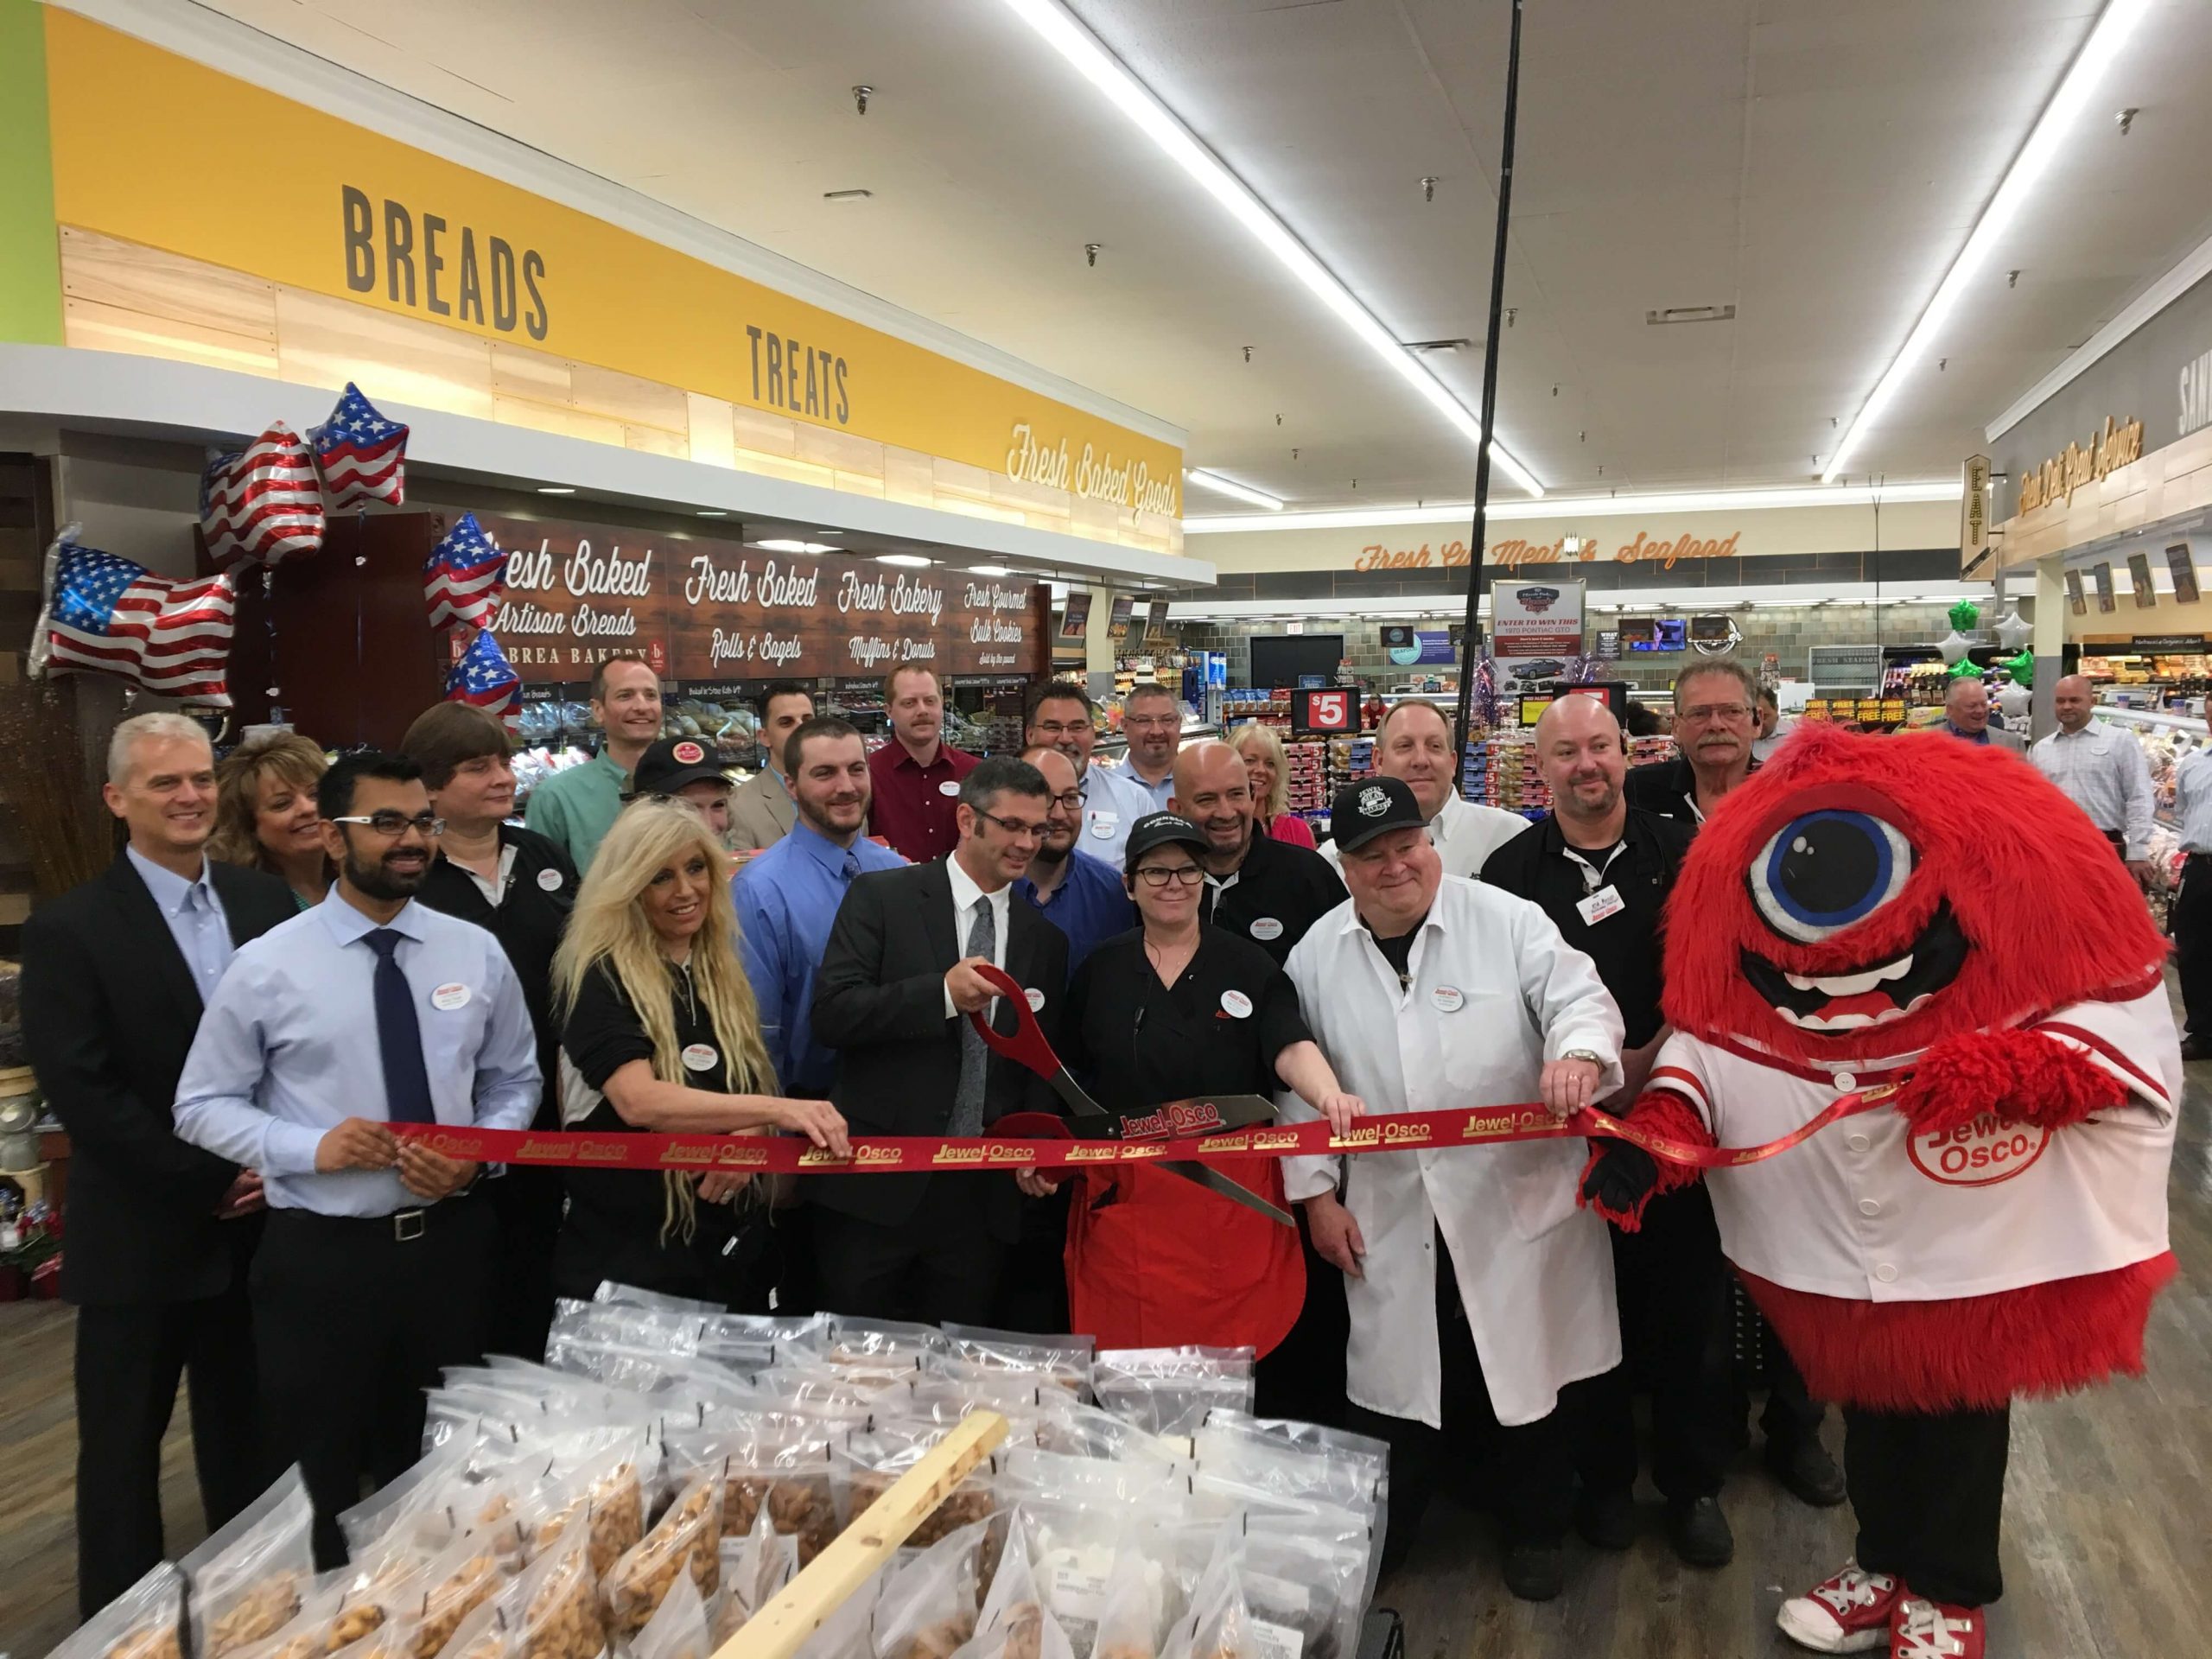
2190,919
527,1201
1671,1284
942,1262
1304,1377
1928,1490
1530,1467
1791,1416
1032,1293
129,1357
354,1324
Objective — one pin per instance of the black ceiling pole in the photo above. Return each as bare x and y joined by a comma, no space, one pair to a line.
1470,652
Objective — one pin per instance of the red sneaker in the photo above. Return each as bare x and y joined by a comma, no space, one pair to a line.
1849,1613
1932,1629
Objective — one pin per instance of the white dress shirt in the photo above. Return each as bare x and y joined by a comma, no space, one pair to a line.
194,911
1112,801
288,1049
1464,834
2193,800
966,895
1496,992
2103,771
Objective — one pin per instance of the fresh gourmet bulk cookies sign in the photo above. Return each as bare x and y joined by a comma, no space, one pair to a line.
700,609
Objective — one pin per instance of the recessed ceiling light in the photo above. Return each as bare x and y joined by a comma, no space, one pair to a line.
910,561
1083,51
556,489
988,570
2107,37
1230,487
786,544
846,195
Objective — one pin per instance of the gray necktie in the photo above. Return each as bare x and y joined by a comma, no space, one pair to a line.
975,1056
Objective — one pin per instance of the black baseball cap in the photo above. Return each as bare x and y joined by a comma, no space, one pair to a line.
1365,810
1160,829
673,763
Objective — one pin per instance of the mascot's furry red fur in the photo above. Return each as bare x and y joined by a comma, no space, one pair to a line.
2009,907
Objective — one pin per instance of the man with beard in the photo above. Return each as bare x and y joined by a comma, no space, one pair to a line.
1267,890
1152,721
1601,870
368,1010
1060,717
1413,745
1070,888
1714,705
914,779
576,806
787,895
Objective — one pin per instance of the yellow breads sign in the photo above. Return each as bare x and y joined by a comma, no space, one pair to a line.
151,148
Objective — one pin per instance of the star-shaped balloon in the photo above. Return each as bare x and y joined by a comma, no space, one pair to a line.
1954,646
2022,667
2014,631
1966,616
1965,668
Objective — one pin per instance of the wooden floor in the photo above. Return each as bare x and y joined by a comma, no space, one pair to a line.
2108,1516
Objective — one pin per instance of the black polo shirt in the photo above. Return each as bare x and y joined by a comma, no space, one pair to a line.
1215,1031
1276,894
1667,788
1536,865
535,901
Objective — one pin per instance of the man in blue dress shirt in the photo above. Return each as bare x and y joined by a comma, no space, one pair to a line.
369,1010
1071,889
787,895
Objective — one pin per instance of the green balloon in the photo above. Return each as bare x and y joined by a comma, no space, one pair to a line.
1965,616
2022,667
1965,668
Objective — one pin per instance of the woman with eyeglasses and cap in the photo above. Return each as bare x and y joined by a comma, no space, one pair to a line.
662,1035
1173,1009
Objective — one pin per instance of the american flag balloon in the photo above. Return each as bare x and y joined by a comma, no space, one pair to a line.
483,678
107,615
262,504
362,456
464,576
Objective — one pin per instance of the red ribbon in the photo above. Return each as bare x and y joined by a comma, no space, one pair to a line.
778,1154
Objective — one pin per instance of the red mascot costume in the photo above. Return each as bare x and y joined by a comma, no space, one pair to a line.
1920,912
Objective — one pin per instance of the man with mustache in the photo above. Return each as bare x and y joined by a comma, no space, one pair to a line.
1715,705
368,1010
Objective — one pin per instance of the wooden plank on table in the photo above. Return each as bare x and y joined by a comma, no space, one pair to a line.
798,1610
94,327
133,277
325,342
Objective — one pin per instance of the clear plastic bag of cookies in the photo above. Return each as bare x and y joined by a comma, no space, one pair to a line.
419,1503
930,1601
1218,1624
434,1601
551,1612
144,1622
1065,1361
246,1580
678,1628
884,1348
755,1567
685,1542
865,1464
1014,1623
1132,1611
603,1496
777,1463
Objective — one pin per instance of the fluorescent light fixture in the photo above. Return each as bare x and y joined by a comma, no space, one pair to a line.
988,570
2051,130
1232,488
786,544
906,560
1088,55
556,489
710,512
1593,506
833,532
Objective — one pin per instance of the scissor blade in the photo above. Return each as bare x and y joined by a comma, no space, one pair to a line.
1235,1193
1077,1101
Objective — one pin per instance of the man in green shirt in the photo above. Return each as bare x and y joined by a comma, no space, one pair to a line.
577,808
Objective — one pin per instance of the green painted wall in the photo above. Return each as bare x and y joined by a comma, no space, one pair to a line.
30,262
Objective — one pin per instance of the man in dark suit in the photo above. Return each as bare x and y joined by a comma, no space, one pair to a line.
159,1233
897,981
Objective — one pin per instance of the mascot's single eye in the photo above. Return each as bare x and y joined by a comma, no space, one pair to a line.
1826,871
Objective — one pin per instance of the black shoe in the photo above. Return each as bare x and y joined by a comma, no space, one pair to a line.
2193,1050
1535,1572
1700,1533
1807,1471
1605,1520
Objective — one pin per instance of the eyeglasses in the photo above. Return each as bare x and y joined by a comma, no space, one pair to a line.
1062,728
1070,802
1015,827
391,824
1706,714
1163,723
1155,876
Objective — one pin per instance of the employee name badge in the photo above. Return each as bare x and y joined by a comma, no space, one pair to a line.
1267,929
550,880
1606,901
1103,824
447,998
1237,1005
700,1056
1034,998
947,787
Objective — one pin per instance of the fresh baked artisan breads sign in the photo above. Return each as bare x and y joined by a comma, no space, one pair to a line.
698,609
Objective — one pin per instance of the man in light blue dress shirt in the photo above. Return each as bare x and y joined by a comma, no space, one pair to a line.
787,895
367,1010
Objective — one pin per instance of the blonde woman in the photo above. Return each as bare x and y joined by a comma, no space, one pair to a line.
661,1034
1269,769
265,815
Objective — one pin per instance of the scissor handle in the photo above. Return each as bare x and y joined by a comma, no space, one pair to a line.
1027,1046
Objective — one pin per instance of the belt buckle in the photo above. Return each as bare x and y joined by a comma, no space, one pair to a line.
407,1225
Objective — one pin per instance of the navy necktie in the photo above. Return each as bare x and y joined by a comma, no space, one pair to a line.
399,1036
852,867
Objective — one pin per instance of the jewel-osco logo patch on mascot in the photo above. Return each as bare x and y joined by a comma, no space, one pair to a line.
1922,912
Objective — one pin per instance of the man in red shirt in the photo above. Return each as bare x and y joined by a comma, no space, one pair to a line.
917,775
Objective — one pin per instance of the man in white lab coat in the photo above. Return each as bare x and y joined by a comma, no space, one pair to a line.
1413,745
1479,1292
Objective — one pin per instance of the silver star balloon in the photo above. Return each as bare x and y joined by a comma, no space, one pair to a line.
2012,631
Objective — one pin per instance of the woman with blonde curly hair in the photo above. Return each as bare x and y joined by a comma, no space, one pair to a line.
1269,769
662,1035
265,815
